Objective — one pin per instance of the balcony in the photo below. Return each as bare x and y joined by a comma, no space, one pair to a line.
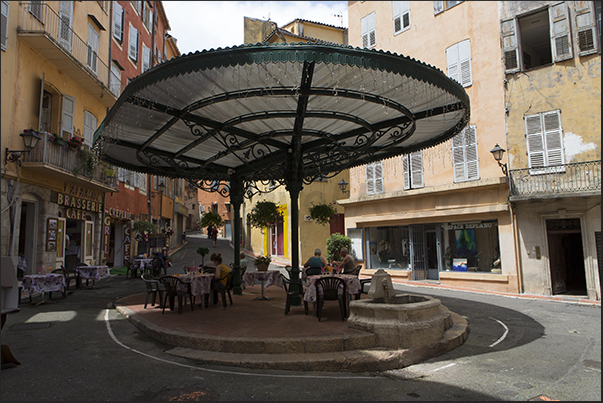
42,29
60,162
575,180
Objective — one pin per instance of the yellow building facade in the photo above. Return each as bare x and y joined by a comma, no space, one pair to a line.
55,81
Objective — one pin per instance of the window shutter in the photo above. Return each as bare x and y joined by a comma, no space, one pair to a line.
68,111
560,38
553,138
458,157
466,77
4,24
452,62
89,128
471,156
585,27
364,31
118,22
146,58
115,79
370,179
397,15
405,172
438,7
92,48
534,141
416,169
372,30
142,182
510,49
378,177
133,43
66,14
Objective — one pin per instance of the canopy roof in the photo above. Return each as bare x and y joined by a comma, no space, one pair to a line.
270,112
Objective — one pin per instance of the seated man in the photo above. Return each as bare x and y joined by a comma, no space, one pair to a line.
348,264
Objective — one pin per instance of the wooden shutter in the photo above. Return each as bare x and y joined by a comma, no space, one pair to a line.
68,111
458,157
405,172
92,48
586,36
397,16
118,22
370,179
378,177
90,122
4,24
560,33
465,75
471,156
452,63
438,7
372,30
146,58
66,16
87,252
364,31
553,139
416,169
510,48
535,143
133,43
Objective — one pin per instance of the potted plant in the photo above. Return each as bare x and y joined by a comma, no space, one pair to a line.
322,213
263,214
202,250
334,244
75,143
262,262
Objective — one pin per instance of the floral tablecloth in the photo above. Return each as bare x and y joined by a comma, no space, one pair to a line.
142,263
43,282
270,277
200,283
93,272
352,283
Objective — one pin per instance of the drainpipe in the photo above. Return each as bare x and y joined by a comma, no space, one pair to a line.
110,46
517,250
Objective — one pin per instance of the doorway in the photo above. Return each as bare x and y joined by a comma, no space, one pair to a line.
27,238
566,257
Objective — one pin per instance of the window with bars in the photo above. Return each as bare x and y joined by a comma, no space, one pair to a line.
412,170
545,142
368,29
458,61
401,15
374,178
465,159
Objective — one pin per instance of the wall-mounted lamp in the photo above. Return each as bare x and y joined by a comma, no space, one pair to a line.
497,153
161,188
30,139
343,185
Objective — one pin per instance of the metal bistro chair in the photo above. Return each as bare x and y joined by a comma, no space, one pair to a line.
81,264
313,271
356,272
227,289
331,289
153,289
131,271
287,283
171,290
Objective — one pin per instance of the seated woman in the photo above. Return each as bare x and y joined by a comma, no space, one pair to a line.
219,280
317,260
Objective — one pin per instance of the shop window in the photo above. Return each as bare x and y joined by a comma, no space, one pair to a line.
412,170
401,16
368,29
374,178
471,247
540,38
545,142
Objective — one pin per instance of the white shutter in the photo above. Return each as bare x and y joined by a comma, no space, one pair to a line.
452,63
370,179
405,172
89,128
142,182
118,22
438,7
560,33
471,156
115,79
66,16
510,48
553,138
378,177
146,58
534,139
372,30
586,36
466,77
364,31
458,157
68,111
416,169
133,43
397,16
4,24
92,48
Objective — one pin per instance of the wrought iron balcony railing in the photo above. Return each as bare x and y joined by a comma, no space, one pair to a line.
68,162
557,181
41,25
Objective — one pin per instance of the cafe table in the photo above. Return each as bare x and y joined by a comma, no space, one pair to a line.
200,284
266,278
352,283
93,273
43,283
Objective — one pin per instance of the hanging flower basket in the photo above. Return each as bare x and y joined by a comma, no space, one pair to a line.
263,214
75,143
323,213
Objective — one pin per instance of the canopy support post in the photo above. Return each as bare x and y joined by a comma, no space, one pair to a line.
236,200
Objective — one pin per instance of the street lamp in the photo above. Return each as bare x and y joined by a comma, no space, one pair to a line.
343,186
30,139
497,153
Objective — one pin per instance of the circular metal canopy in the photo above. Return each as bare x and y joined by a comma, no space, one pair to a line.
279,112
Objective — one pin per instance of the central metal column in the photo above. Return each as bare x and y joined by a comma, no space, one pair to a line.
236,200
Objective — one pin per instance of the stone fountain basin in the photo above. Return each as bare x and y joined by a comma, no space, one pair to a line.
405,321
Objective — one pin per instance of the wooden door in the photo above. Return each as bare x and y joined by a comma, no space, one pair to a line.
61,246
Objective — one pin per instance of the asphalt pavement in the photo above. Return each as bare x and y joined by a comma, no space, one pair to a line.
81,348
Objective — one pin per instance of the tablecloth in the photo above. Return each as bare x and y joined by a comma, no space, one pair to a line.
93,272
43,282
271,277
352,283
